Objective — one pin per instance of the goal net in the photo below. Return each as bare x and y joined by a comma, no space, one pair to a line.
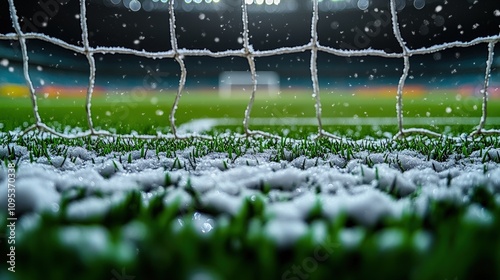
25,31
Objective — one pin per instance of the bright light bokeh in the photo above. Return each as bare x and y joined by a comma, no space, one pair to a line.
270,6
261,2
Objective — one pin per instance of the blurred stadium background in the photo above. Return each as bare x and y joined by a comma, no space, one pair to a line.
216,25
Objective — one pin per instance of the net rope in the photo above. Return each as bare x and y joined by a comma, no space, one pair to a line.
178,54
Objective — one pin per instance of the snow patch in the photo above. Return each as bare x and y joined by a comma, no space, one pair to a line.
32,195
285,232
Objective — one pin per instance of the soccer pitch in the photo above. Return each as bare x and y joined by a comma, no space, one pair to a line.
107,171
295,208
292,112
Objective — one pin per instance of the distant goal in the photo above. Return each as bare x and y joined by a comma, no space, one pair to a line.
233,83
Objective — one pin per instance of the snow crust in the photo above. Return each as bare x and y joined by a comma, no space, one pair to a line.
390,186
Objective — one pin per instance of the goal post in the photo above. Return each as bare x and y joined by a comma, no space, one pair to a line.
231,82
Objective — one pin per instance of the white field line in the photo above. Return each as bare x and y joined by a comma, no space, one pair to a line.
202,125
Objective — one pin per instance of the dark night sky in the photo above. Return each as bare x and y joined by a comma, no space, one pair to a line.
437,22
463,19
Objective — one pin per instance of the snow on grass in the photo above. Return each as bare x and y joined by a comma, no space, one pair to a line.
351,237
93,243
478,215
367,187
222,202
367,208
390,239
88,209
285,232
296,209
33,195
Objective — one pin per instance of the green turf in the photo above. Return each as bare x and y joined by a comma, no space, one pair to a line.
148,113
142,240
439,149
238,248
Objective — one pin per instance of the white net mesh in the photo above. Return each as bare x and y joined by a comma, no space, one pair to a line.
178,54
